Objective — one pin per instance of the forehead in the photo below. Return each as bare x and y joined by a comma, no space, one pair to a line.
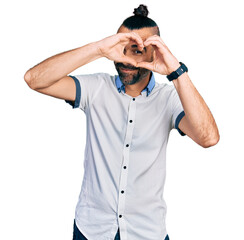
144,33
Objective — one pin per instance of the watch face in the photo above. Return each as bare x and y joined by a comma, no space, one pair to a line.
184,67
180,70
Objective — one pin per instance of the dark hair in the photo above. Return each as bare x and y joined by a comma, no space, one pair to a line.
140,19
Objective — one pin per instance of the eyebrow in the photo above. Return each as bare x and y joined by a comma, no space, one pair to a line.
135,46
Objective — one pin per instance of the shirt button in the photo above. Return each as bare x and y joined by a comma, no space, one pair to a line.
122,191
124,167
127,145
134,99
120,216
131,121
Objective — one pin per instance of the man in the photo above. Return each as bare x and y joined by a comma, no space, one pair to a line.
129,118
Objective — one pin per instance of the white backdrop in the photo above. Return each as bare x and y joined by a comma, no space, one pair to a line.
43,138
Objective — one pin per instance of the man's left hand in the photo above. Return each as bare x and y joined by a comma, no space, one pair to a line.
164,62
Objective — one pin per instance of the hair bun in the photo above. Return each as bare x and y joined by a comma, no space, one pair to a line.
141,11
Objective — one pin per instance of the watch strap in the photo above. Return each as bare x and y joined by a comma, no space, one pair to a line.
177,72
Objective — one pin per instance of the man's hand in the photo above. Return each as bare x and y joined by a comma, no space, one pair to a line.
113,47
163,60
198,122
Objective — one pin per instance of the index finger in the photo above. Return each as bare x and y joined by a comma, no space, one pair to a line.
136,38
156,38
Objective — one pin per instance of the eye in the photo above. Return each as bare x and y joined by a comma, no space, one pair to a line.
138,52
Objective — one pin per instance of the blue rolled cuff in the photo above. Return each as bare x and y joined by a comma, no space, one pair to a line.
76,103
177,121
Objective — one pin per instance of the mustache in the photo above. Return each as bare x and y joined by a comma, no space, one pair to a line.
126,66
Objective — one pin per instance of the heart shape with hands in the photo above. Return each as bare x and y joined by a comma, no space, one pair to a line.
164,62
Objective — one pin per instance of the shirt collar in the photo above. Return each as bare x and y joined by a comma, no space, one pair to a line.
148,88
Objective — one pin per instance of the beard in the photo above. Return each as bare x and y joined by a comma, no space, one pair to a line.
133,77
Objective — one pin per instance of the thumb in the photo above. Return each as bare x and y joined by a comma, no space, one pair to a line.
129,60
146,65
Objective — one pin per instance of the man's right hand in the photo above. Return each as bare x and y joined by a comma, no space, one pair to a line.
50,76
113,47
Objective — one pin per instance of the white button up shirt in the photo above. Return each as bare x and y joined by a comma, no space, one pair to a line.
125,157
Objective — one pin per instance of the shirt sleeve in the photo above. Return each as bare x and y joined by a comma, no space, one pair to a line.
86,89
177,111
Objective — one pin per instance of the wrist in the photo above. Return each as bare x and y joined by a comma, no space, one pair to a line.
95,48
173,68
182,81
85,54
99,48
178,72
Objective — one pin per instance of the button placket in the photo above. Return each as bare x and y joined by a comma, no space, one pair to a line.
125,167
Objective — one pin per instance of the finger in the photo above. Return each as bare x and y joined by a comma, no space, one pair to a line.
135,37
154,55
156,38
153,42
146,65
157,44
129,61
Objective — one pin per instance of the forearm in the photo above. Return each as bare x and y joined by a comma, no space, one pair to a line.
196,110
58,66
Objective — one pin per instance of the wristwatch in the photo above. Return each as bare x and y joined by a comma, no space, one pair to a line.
177,72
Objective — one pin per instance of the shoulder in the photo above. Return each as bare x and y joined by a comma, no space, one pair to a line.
93,79
165,88
99,75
